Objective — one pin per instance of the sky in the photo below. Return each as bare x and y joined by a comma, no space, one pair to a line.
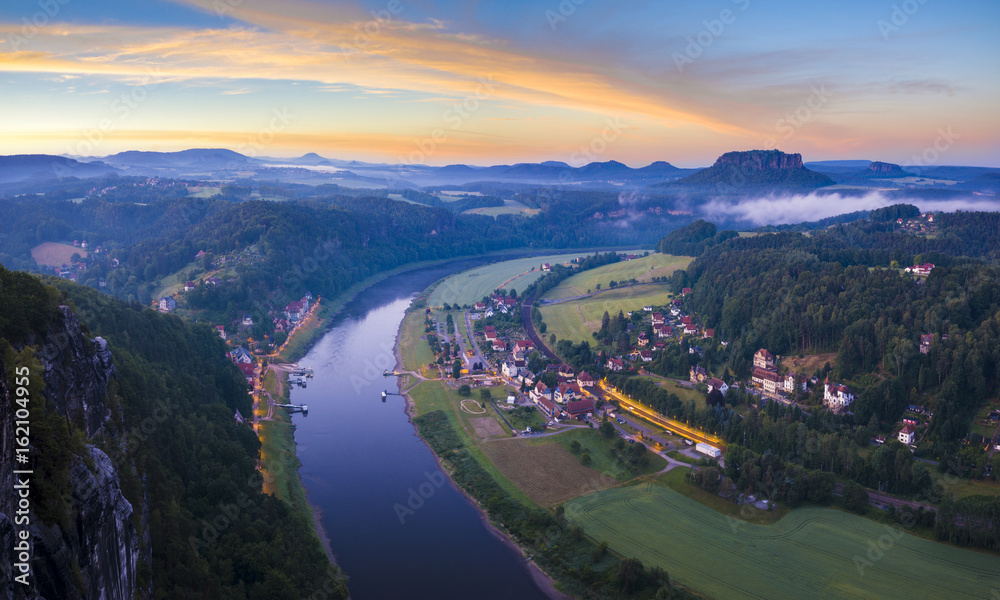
496,82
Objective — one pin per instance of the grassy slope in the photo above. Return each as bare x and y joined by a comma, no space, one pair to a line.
642,269
566,322
600,453
808,554
469,287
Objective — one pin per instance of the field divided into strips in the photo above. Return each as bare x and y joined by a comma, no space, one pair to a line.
577,319
641,269
808,554
469,287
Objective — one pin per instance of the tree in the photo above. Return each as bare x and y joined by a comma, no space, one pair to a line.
574,446
585,458
607,430
465,390
485,394
456,368
715,398
855,497
629,574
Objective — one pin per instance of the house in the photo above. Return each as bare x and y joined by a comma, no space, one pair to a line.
709,333
585,380
646,355
717,384
698,374
647,308
509,369
907,434
565,393
248,371
239,417
490,333
659,345
167,304
523,345
643,340
188,286
548,408
499,346
213,281
685,291
509,302
478,306
241,356
923,270
836,395
616,364
546,267
910,422
247,321
200,254
658,319
296,311
925,343
766,379
690,329
793,381
567,371
578,408
763,359
221,330
687,320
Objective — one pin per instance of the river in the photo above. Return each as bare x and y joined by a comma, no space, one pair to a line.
398,528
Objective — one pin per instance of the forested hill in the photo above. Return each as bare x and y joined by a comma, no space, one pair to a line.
841,292
164,397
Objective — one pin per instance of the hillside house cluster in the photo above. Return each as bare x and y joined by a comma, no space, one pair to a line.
765,375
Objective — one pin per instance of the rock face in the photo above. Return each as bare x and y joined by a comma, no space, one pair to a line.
755,171
761,160
98,556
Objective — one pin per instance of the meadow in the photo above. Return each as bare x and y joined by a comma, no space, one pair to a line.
577,319
810,553
640,269
55,254
469,287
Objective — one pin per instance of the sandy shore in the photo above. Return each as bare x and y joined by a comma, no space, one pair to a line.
540,577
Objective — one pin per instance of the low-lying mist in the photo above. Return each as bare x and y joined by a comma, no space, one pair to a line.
781,210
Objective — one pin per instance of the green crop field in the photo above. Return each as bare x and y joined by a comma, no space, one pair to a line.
810,553
469,287
641,269
577,319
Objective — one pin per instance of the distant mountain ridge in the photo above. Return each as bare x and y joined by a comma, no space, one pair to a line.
22,167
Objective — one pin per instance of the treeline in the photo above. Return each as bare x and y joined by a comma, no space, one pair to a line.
693,239
795,298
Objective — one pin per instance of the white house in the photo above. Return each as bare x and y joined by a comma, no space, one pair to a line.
837,395
907,435
167,304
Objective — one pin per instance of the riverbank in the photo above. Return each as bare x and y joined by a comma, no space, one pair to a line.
543,580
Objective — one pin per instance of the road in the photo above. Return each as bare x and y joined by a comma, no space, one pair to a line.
472,340
667,423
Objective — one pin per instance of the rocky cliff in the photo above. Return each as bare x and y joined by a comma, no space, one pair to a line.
94,551
883,169
754,171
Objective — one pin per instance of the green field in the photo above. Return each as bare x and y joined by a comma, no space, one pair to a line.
415,352
469,287
641,269
576,320
600,454
810,553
